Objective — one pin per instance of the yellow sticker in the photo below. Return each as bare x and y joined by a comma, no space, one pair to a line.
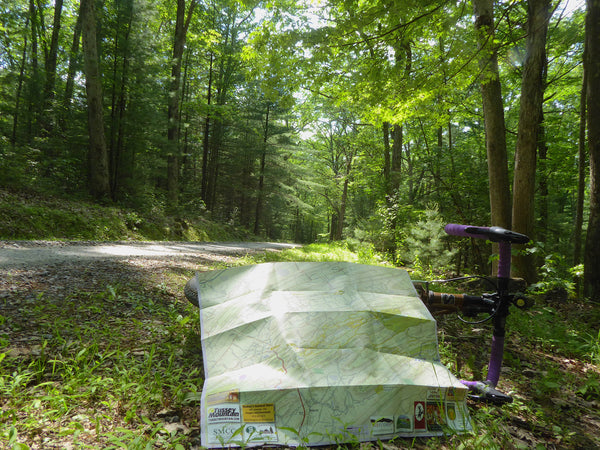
259,413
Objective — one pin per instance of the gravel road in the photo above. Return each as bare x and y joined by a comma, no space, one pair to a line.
42,253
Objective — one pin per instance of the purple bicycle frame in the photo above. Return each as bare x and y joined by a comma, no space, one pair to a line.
497,350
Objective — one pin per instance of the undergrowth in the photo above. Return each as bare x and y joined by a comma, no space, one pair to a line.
33,216
121,368
97,371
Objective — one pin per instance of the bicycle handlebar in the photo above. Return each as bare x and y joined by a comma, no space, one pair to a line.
494,234
496,305
469,305
501,235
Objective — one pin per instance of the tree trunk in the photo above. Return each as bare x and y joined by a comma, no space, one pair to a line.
387,161
261,179
397,143
15,125
339,230
493,113
70,83
206,138
49,93
97,155
592,247
532,92
581,164
543,161
119,94
181,26
34,80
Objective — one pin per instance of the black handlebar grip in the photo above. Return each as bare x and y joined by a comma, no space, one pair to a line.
494,234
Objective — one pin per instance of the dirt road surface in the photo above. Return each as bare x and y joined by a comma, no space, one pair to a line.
41,253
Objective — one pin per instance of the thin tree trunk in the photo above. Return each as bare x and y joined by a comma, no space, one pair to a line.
70,83
119,95
493,112
592,246
181,27
387,161
581,165
51,61
397,143
261,179
97,154
543,158
339,230
206,140
532,92
34,82
15,126
542,234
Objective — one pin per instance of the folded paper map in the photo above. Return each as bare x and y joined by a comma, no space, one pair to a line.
320,353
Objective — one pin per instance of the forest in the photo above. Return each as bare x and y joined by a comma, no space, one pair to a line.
375,121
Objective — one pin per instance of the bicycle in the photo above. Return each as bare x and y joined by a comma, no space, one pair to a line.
495,305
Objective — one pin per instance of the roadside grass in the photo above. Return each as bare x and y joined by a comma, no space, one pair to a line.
28,215
121,367
99,370
347,251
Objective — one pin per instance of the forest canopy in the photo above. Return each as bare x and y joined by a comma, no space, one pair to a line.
377,121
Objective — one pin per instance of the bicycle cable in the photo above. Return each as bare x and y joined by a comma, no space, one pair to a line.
449,280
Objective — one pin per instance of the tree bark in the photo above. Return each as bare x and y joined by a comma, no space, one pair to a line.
97,154
493,113
387,160
532,93
592,247
261,178
339,230
15,125
581,165
120,81
397,144
51,61
34,80
206,138
70,83
181,26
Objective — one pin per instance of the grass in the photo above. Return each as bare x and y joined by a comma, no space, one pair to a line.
118,365
97,369
39,216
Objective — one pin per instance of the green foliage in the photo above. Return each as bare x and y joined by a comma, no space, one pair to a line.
35,216
556,274
425,242
83,376
348,251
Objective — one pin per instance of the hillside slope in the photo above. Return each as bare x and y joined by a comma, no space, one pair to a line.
26,215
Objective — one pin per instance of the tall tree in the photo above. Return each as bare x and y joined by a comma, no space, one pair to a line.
581,178
530,117
592,63
51,62
99,184
493,111
182,23
261,176
71,71
121,54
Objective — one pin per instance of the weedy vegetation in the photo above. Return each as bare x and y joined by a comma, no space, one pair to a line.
119,364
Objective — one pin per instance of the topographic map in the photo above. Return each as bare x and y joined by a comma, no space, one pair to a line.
320,353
